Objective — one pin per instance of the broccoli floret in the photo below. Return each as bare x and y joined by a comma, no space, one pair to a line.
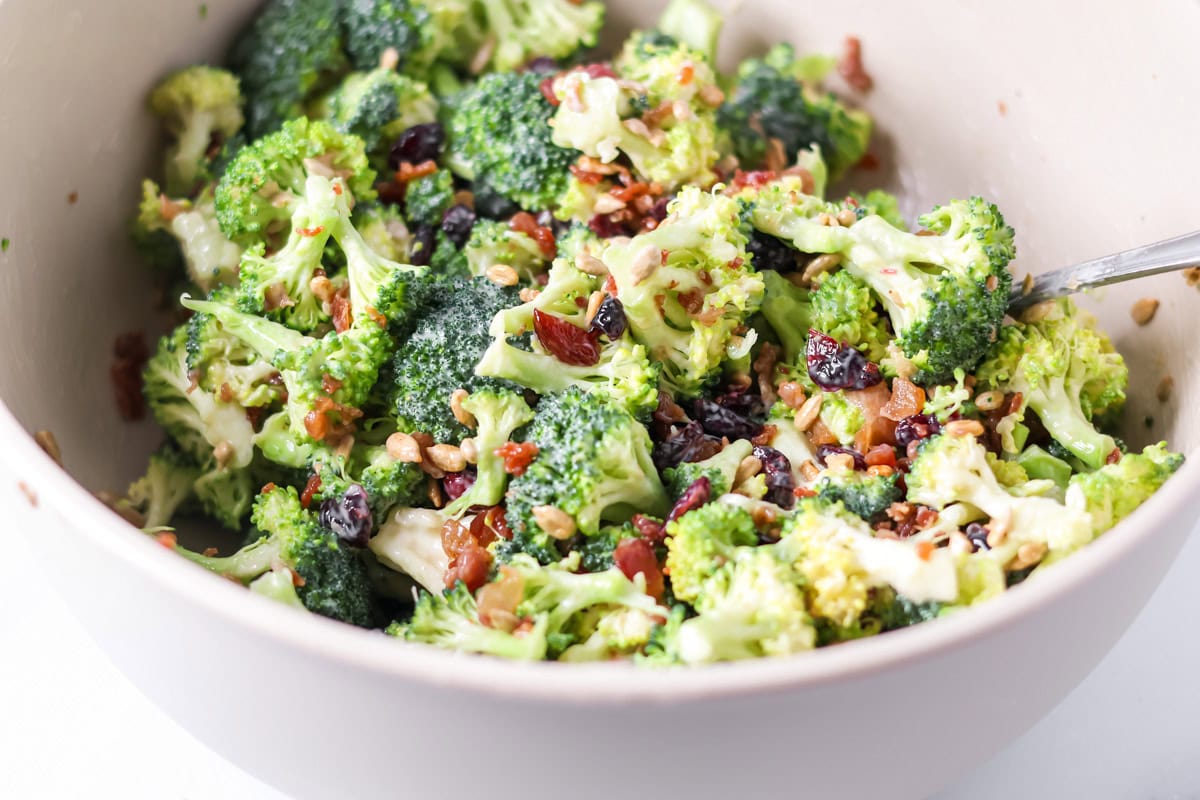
167,229
427,198
622,371
387,482
327,379
951,470
945,294
285,56
700,541
498,415
771,100
1066,371
378,106
593,464
166,488
843,308
579,240
881,203
601,116
687,289
200,106
719,469
843,418
418,32
335,582
1114,491
224,365
493,242
499,138
261,188
596,552
521,30
867,496
440,355
410,541
695,23
383,230
557,608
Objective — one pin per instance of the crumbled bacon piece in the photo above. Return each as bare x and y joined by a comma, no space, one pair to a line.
130,355
517,456
632,556
311,488
524,222
850,66
339,310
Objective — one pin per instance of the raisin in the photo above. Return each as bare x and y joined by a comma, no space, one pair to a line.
826,450
770,253
778,470
421,249
916,428
610,319
417,144
568,343
349,516
721,421
457,223
692,498
632,556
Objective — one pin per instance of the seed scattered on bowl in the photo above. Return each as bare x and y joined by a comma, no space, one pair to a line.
1143,310
1165,387
29,493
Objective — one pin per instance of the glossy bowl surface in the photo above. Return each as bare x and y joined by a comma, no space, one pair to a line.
1086,142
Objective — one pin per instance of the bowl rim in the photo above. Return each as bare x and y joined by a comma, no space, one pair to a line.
588,684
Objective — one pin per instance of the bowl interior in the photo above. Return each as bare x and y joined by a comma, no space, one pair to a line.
1083,159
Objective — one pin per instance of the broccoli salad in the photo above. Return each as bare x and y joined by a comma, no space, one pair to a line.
497,343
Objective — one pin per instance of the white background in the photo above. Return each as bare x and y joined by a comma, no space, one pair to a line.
71,726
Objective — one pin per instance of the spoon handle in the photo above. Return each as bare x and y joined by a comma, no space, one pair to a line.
1170,254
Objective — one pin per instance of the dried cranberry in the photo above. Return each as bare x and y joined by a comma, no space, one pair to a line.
610,319
688,444
417,144
632,556
778,470
692,498
457,223
568,343
421,249
649,528
834,366
658,211
915,428
769,252
603,226
455,484
748,405
349,516
826,450
542,64
721,421
977,534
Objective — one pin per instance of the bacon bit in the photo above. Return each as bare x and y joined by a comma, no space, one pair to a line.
337,188
692,301
297,578
319,425
610,286
585,177
925,550
410,172
686,73
628,194
267,488
376,317
339,310
276,297
881,455
1113,457
547,89
752,180
168,208
315,231
765,436
524,222
869,161
167,540
517,456
633,556
599,70
802,491
330,384
850,66
926,516
311,488
130,355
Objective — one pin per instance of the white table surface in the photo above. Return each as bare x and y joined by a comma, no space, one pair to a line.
71,726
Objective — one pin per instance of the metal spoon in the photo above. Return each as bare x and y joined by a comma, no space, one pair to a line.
1165,256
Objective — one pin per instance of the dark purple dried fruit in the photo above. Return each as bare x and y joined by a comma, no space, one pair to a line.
826,450
542,64
748,405
692,498
658,211
457,223
603,226
688,444
778,471
977,534
768,252
420,251
721,421
915,428
349,516
455,484
610,319
834,366
416,145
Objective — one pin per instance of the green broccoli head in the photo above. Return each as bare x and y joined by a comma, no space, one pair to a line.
427,198
286,55
601,115
224,365
334,578
771,100
499,138
498,415
880,203
701,541
719,469
866,496
1114,491
844,308
263,185
166,488
945,294
687,289
378,106
494,242
418,32
1066,371
517,31
593,464
200,107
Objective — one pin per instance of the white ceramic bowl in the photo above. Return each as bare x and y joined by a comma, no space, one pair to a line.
1083,129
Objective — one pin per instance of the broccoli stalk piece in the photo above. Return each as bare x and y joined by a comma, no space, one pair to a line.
335,582
493,242
952,470
167,228
498,414
945,294
521,30
1069,374
556,609
1114,491
622,372
499,138
593,464
200,106
601,116
719,469
285,56
410,541
279,585
687,289
378,106
327,379
865,496
166,487
262,187
772,100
